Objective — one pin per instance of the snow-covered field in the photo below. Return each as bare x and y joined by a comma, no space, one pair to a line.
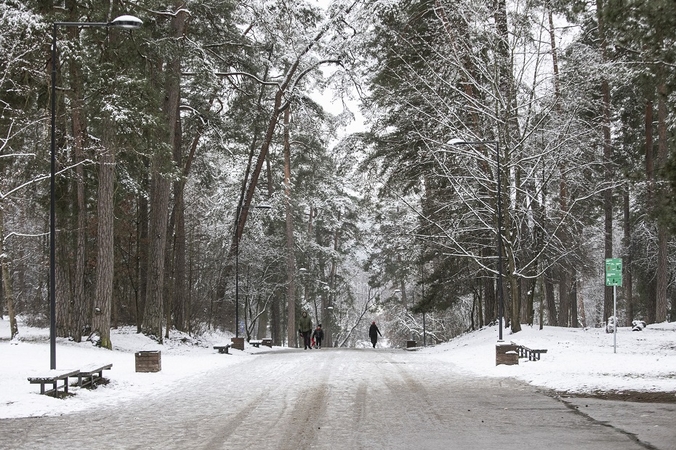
577,361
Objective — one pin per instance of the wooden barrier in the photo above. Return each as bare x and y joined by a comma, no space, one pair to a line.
149,361
507,354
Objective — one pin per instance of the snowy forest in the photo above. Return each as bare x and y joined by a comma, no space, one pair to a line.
432,165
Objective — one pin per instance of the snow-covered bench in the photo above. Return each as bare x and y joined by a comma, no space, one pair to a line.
530,353
53,377
222,348
92,375
257,343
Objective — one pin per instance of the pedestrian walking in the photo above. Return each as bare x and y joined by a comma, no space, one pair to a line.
373,334
305,328
318,335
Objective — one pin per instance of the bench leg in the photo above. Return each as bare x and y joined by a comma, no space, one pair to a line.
84,380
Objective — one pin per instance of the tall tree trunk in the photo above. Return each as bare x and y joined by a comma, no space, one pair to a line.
580,306
143,220
7,291
555,55
662,230
574,320
550,298
179,291
488,286
333,271
628,281
105,240
565,305
275,321
159,203
62,284
167,297
650,178
607,161
567,315
506,91
290,247
79,305
161,188
175,258
179,288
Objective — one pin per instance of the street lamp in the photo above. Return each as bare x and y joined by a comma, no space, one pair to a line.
501,302
237,240
125,22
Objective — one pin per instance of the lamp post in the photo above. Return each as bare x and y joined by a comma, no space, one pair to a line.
126,22
240,207
501,301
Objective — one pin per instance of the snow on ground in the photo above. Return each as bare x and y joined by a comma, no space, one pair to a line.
577,361
182,358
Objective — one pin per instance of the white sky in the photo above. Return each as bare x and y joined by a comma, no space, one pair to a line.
577,361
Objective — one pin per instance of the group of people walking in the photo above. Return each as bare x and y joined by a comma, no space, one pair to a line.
313,338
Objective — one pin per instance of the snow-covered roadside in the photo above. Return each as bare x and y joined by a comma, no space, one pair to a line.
182,358
577,360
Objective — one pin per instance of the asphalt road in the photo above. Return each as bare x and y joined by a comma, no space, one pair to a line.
351,399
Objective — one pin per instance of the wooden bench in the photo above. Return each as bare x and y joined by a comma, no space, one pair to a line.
92,375
257,343
53,378
530,353
265,341
222,348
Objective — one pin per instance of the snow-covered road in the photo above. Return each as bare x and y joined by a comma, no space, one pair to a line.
328,399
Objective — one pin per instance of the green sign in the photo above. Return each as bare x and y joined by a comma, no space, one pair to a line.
614,272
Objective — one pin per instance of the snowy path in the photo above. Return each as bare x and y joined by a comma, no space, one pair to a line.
328,399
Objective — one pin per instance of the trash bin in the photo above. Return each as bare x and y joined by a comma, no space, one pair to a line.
149,361
507,354
411,344
237,342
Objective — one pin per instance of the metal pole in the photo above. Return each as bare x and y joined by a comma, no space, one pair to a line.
52,217
501,300
424,332
239,211
615,319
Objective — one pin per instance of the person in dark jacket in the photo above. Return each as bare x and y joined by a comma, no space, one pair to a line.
373,334
318,335
305,329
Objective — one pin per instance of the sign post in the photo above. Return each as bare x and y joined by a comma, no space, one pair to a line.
614,279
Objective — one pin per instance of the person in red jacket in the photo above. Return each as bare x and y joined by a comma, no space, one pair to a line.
318,335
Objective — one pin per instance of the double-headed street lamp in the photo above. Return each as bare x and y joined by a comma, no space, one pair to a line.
126,22
501,302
